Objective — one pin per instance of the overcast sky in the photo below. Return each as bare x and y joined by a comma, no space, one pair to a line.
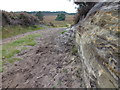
37,5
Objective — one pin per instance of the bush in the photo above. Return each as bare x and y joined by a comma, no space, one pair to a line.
27,19
60,17
24,19
39,15
83,9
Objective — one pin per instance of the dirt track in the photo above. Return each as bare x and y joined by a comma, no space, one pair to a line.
43,66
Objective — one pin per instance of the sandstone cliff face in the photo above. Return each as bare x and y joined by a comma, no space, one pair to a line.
97,39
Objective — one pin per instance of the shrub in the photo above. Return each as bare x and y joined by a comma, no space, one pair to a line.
39,15
83,9
60,17
27,19
24,19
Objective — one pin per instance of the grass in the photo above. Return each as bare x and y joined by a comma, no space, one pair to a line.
12,60
63,32
67,23
9,31
12,48
1,68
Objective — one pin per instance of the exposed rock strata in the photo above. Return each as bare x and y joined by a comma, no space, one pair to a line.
97,39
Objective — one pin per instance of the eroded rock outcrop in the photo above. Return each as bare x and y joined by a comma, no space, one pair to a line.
65,41
97,39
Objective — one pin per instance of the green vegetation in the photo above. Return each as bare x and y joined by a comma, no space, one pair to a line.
12,60
39,15
9,31
22,18
74,50
61,24
60,17
1,68
65,70
82,11
49,12
8,50
63,32
51,18
12,48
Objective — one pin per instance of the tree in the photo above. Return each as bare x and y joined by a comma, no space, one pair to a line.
39,15
60,17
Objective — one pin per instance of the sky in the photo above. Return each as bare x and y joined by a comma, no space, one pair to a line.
38,5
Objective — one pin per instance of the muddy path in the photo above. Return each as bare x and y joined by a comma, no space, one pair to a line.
42,66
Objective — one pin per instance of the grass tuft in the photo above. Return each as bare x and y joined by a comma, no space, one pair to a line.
12,60
63,32
10,49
